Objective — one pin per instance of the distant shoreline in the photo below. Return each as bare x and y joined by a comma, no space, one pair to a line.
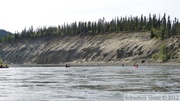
93,64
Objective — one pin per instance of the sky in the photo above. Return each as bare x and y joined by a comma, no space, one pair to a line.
15,15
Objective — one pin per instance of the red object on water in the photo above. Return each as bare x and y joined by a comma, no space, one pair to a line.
135,66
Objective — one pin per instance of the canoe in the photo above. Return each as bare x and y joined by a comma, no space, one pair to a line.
135,66
4,66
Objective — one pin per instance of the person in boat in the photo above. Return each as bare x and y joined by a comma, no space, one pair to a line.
6,66
135,65
1,66
67,65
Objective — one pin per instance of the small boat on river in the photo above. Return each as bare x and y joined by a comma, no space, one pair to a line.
67,65
4,66
135,65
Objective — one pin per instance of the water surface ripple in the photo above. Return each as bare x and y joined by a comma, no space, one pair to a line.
97,83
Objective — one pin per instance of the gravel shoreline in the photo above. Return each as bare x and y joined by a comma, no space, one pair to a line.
92,64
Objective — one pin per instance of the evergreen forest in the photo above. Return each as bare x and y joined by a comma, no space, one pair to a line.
159,27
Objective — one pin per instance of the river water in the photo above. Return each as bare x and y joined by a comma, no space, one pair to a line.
96,83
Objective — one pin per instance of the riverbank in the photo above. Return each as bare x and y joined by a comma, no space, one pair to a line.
102,49
94,64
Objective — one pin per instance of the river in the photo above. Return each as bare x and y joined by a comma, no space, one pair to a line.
91,83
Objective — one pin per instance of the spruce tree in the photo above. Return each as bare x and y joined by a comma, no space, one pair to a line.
168,27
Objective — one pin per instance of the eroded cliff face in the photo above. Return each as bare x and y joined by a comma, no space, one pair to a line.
115,47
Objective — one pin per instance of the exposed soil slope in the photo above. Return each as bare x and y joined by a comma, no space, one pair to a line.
115,47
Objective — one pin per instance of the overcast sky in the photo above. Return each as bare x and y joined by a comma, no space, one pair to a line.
15,15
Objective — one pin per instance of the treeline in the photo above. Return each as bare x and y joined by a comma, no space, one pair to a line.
159,27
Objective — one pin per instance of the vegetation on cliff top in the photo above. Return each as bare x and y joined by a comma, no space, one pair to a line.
159,27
